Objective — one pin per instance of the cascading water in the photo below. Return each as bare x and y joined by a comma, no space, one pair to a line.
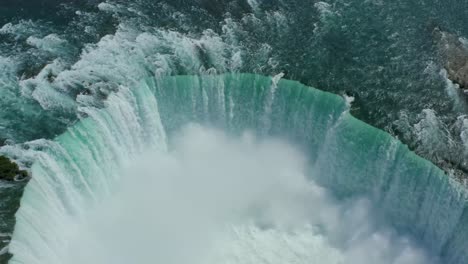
82,171
94,95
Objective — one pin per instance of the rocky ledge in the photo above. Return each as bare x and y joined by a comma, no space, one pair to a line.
453,52
10,171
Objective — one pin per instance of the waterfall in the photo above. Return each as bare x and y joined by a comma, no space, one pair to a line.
350,158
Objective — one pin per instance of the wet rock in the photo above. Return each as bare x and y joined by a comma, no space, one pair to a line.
453,51
10,171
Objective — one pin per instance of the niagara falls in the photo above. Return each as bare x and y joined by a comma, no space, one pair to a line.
233,132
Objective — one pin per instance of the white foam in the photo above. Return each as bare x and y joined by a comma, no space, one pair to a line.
51,43
254,5
215,199
107,7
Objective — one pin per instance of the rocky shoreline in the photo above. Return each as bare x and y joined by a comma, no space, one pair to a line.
453,52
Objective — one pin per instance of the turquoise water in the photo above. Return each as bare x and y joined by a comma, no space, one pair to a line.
382,53
347,156
75,109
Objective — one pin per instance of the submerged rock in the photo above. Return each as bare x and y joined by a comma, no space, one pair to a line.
10,171
453,51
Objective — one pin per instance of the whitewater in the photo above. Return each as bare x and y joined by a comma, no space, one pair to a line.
168,131
265,177
215,199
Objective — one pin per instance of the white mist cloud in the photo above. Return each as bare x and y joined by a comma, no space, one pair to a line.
217,199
